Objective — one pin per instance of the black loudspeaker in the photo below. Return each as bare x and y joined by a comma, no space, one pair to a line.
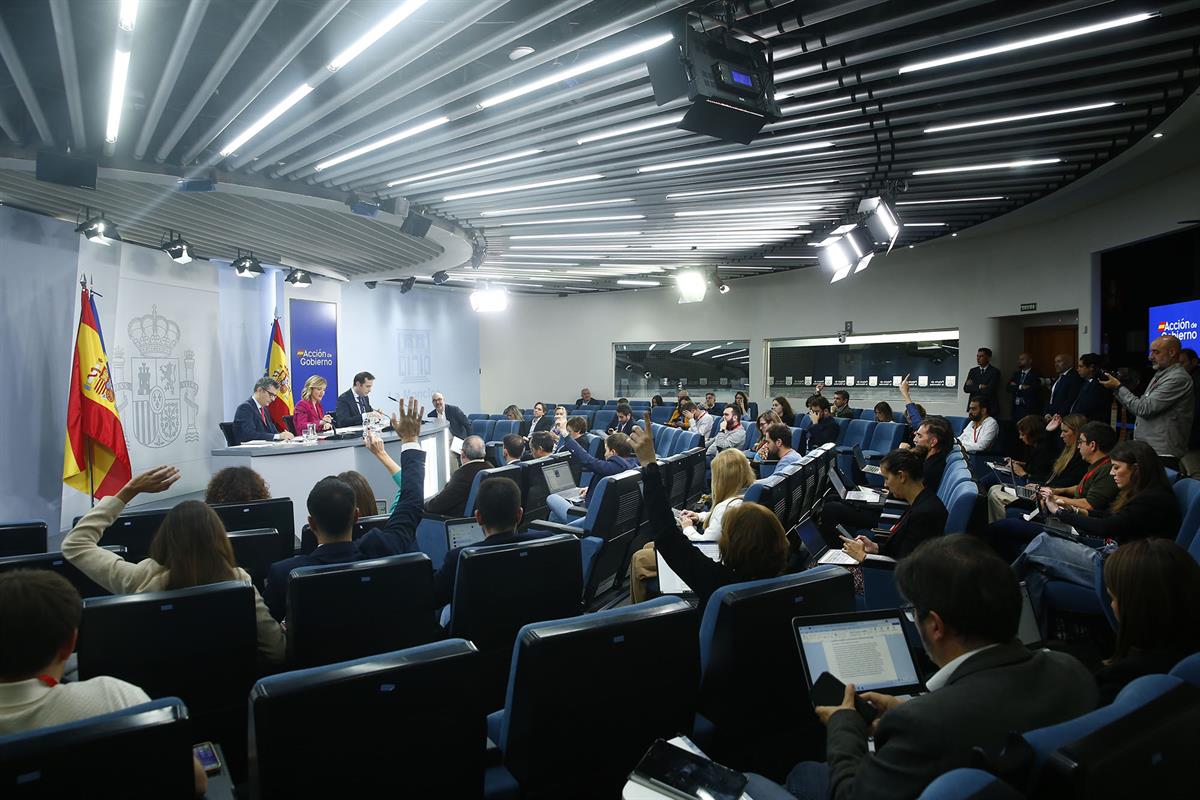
415,225
66,170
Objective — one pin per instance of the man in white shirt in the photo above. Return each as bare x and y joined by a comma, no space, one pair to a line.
39,623
980,433
702,421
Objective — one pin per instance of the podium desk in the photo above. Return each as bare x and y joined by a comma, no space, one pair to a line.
292,468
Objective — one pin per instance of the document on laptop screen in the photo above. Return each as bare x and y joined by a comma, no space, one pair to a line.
871,654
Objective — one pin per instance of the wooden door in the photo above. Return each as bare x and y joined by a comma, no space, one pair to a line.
1046,341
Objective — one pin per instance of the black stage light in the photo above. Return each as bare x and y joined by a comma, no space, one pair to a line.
440,277
98,230
247,266
299,278
407,284
175,246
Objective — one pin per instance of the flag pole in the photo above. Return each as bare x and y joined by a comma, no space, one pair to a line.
91,452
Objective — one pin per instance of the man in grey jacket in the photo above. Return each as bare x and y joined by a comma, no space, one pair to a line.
731,434
1164,411
967,604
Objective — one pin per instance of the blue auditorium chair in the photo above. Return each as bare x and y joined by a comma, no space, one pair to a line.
962,503
885,438
1188,669
614,515
473,417
568,721
55,561
969,784
483,428
134,530
142,752
273,512
22,538
498,589
684,441
797,437
255,551
412,719
661,414
536,489
843,427
336,612
752,436
603,420
772,492
747,651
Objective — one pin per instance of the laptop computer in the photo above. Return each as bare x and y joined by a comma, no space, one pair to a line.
866,648
861,460
463,532
1008,479
853,495
669,582
561,482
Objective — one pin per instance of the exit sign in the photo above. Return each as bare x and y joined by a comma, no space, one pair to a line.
1029,306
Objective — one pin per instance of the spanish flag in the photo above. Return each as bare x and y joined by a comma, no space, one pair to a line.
95,459
277,368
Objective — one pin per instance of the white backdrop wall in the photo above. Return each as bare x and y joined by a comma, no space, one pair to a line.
967,282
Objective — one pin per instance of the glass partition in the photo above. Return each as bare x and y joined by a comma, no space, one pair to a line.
644,369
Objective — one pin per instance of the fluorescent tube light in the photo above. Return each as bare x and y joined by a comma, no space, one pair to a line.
127,15
630,282
644,125
793,258
464,167
116,95
521,187
1029,162
708,350
568,220
266,119
1020,44
579,69
924,224
581,235
532,209
737,156
375,32
949,200
713,212
1018,117
384,142
760,188
677,347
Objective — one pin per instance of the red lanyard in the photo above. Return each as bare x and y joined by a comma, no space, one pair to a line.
46,679
1091,472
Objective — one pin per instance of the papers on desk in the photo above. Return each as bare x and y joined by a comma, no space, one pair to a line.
257,443
351,429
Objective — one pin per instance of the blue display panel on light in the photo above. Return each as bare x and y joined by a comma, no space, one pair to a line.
742,78
1181,320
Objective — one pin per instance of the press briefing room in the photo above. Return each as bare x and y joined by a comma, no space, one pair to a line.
640,399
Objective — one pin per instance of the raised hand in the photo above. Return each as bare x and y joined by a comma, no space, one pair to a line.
407,424
151,481
374,443
643,445
904,386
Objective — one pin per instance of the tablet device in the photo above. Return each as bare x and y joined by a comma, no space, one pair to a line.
866,648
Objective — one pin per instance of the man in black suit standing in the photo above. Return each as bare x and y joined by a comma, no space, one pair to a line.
1026,388
983,379
1094,400
252,421
967,605
460,426
451,501
354,402
586,399
498,511
1065,388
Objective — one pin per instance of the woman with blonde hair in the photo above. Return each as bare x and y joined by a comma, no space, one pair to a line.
514,412
191,548
308,410
1067,470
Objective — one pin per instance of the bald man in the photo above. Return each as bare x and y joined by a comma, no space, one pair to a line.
1026,387
1164,411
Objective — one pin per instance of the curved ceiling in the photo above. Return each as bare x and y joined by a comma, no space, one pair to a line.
557,164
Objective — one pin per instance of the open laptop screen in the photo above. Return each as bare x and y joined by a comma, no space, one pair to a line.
463,532
558,477
867,649
835,478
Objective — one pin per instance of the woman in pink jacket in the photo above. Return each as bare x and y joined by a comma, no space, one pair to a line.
308,410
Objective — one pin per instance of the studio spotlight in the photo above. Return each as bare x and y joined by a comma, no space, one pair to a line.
407,284
370,284
487,300
692,286
880,221
247,266
440,277
174,245
299,278
98,230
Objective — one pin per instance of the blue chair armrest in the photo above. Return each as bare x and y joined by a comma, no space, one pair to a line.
495,721
556,527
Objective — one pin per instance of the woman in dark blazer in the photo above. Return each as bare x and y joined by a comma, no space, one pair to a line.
904,477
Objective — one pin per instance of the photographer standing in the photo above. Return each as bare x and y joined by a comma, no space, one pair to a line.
1164,411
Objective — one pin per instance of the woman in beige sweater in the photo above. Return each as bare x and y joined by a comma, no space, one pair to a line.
191,548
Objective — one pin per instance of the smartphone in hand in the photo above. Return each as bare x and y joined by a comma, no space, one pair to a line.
829,691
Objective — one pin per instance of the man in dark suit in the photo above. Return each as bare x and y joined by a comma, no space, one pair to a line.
983,379
460,426
451,501
354,402
332,512
586,399
252,419
1026,387
541,420
498,511
624,422
1094,400
967,604
618,457
1065,388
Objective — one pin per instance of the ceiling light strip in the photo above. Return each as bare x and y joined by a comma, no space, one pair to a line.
1019,117
1031,162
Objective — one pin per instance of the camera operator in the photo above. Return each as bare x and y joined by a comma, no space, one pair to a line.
1094,401
1164,411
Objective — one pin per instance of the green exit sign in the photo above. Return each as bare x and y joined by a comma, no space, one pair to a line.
1029,306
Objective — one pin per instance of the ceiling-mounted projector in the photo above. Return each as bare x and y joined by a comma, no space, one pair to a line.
728,81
